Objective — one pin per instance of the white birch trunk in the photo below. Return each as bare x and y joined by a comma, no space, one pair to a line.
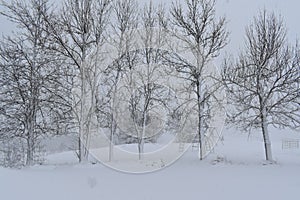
199,122
83,134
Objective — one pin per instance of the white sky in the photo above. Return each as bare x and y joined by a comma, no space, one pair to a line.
239,14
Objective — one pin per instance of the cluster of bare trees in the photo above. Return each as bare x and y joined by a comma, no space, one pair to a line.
72,69
33,101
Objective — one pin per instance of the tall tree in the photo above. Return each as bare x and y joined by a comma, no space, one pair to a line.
203,36
264,82
124,25
151,96
135,72
78,33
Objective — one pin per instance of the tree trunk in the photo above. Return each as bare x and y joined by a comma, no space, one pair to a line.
30,144
79,146
142,139
113,120
200,138
267,142
199,120
30,150
141,148
111,140
83,134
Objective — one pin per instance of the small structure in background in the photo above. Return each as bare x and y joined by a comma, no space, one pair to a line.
290,144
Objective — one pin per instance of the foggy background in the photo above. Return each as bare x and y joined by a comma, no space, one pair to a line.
239,14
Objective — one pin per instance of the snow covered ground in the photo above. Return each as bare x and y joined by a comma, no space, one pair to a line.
235,170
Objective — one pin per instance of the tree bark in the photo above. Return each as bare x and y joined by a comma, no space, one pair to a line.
83,134
199,120
266,137
142,139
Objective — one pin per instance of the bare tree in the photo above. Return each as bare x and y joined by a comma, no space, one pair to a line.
123,27
201,34
136,70
151,96
263,83
78,33
29,78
